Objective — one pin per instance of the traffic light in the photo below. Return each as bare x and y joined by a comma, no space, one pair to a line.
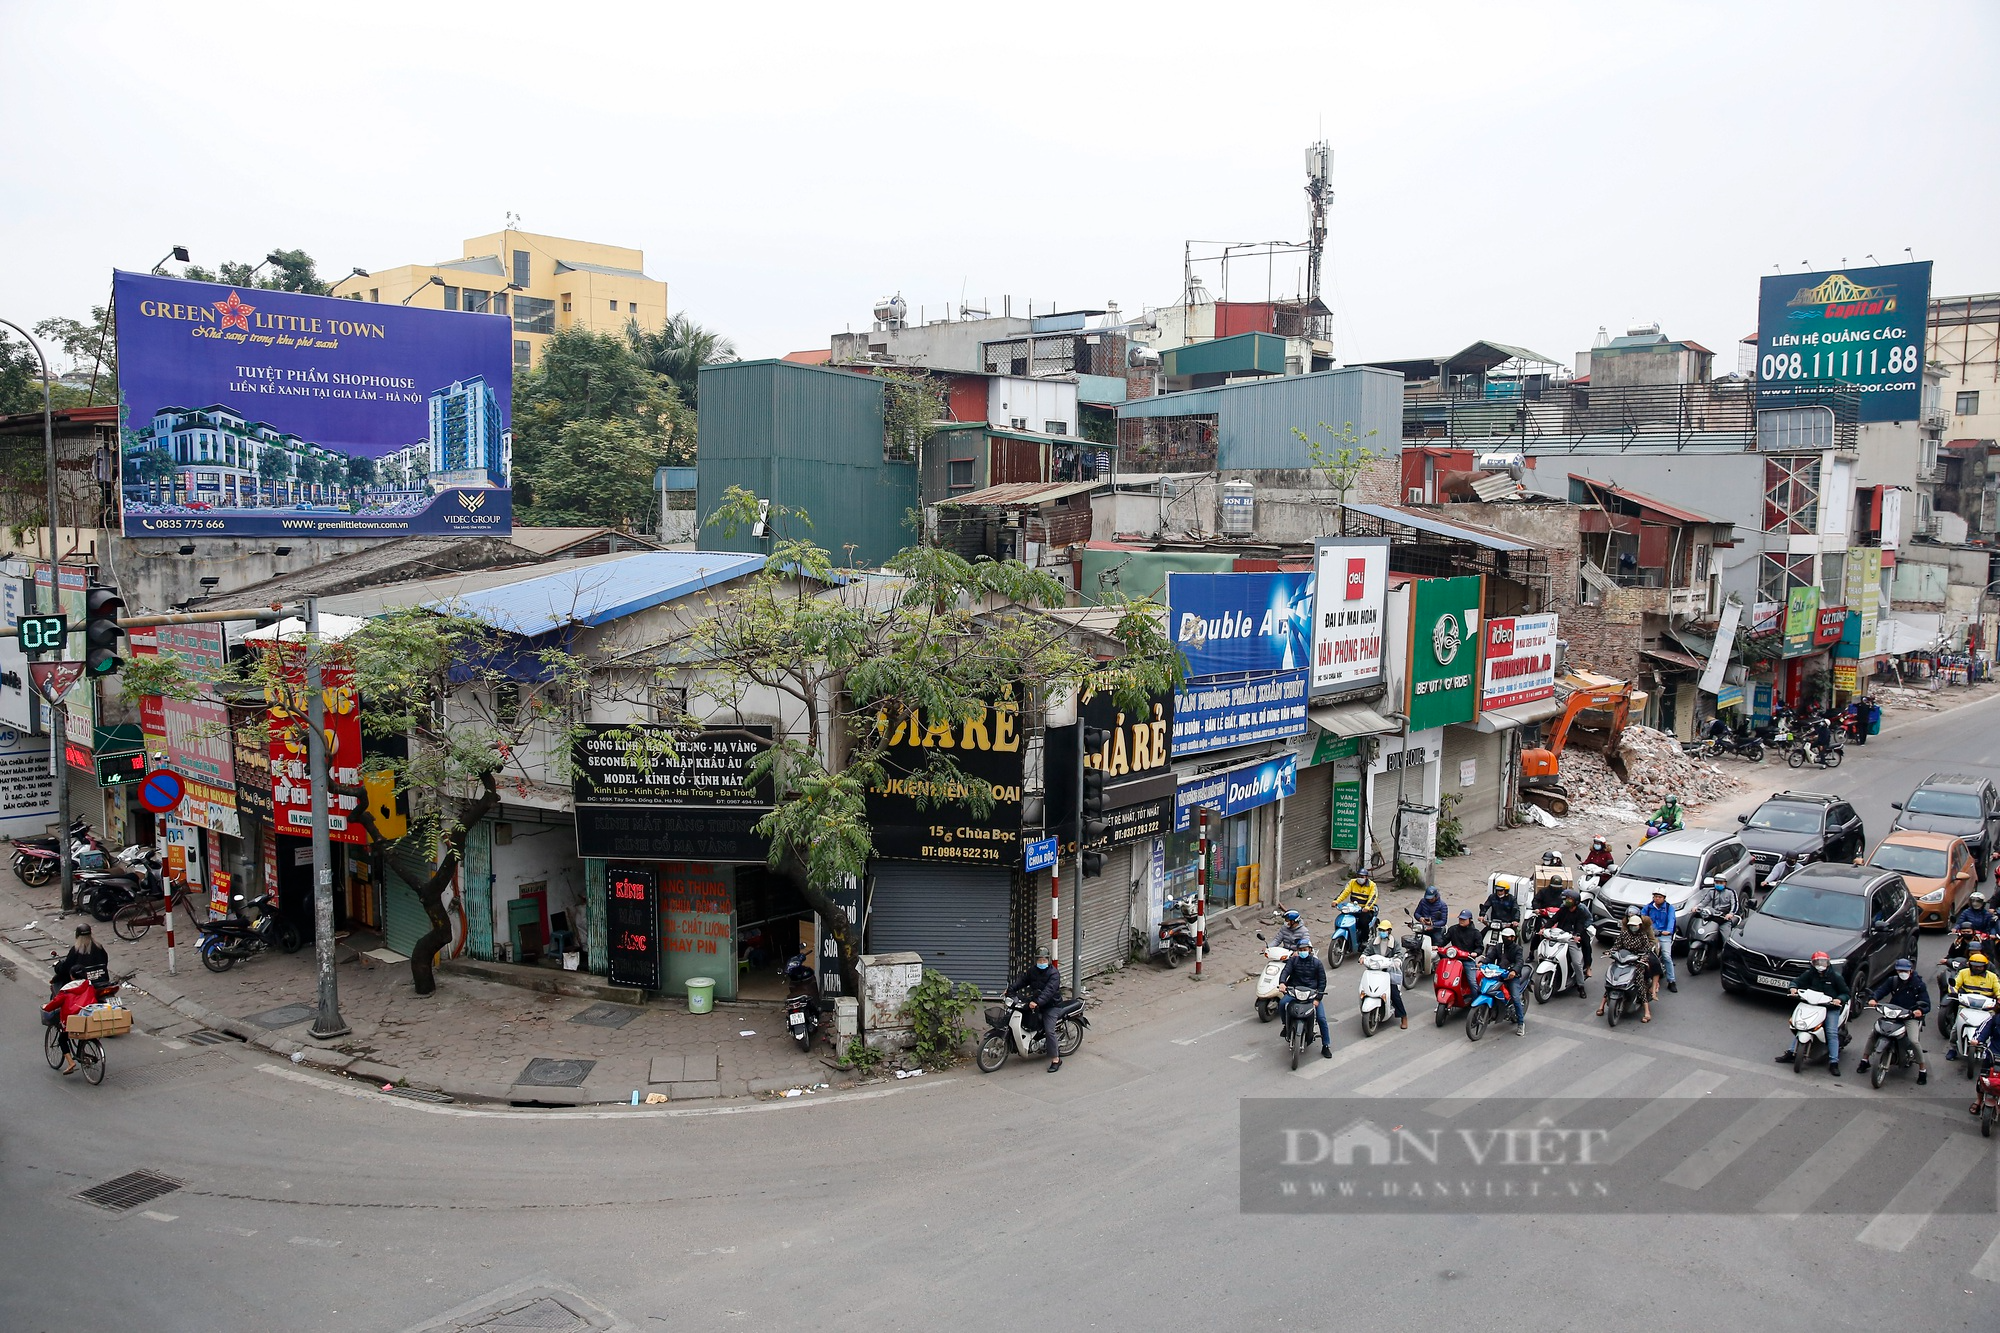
1090,800
101,607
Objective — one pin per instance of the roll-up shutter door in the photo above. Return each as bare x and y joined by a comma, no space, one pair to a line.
1103,904
956,919
1478,806
1308,823
403,919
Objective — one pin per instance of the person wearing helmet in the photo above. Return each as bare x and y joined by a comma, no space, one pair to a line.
1384,946
1670,816
1467,938
1505,953
1976,975
1977,917
1573,917
1305,970
1359,896
1636,938
1551,859
1294,935
1431,914
1906,990
1825,979
1501,906
1599,855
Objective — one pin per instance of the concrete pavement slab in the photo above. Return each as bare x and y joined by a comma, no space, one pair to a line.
666,1069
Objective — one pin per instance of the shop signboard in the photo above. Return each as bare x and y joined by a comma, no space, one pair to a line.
80,699
1864,597
632,925
1234,790
199,740
1133,757
27,788
1846,675
847,901
1766,618
1862,326
1248,708
246,412
1330,747
676,793
291,778
1831,624
18,707
1345,830
918,815
1444,651
1228,624
1801,619
1729,696
1350,587
1520,662
698,926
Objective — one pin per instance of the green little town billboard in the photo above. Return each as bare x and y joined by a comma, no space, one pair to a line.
1444,651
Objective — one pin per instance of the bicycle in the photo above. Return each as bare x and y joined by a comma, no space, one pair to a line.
131,922
88,1052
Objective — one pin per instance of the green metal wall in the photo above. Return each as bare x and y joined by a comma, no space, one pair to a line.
803,437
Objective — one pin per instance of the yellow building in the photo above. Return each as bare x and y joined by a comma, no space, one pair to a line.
543,283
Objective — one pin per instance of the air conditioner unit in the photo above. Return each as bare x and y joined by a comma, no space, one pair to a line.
1415,496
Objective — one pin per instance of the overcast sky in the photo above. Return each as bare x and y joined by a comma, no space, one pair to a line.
1522,173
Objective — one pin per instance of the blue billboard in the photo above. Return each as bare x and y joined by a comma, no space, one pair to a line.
1235,790
253,413
1221,712
1227,623
1861,326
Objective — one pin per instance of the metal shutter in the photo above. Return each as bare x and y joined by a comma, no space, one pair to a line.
403,919
956,919
1105,909
1308,824
1478,805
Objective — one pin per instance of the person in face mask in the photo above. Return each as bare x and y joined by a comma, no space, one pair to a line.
1041,987
1432,915
1831,984
1294,935
1976,975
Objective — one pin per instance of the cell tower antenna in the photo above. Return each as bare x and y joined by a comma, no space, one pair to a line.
1319,192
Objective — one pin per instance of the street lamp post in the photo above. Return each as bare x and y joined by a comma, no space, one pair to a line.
435,281
59,731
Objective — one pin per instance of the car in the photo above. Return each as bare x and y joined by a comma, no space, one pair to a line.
1863,917
1677,863
1809,825
198,506
1938,869
1954,803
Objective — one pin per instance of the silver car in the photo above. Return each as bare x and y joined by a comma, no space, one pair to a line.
1676,864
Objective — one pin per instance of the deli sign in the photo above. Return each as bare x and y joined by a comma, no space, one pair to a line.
1520,661
1350,585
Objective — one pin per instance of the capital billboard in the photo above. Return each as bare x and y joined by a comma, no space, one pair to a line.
1350,585
1864,326
252,413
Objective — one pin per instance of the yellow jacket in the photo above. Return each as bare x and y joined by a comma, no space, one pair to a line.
1360,894
1986,985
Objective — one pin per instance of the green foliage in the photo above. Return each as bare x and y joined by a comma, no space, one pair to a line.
1451,831
679,351
285,271
1342,458
935,1007
862,1058
912,403
591,424
1408,876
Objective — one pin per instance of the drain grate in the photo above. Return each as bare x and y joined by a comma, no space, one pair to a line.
7,968
129,1191
546,1314
605,1016
543,1072
419,1095
208,1038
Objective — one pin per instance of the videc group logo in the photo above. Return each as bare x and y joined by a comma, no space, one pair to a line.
1863,327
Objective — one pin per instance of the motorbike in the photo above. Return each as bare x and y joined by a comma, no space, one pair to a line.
1487,1000
239,935
79,831
802,1008
1301,1003
1704,938
1009,1032
1806,752
1419,953
1656,827
1450,983
1346,937
1269,992
101,893
36,866
1731,745
1375,985
1178,937
1973,1011
1885,1047
1988,1087
1553,976
1964,943
1809,1027
1624,984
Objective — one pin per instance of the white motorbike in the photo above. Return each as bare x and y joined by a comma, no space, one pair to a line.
1269,991
1420,955
1553,973
1008,1033
1973,1011
1809,1027
1375,986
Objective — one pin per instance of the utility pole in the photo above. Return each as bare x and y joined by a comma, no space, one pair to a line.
329,1023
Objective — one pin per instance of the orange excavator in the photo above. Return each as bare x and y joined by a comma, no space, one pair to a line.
1541,769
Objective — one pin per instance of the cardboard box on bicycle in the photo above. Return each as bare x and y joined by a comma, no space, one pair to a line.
103,1023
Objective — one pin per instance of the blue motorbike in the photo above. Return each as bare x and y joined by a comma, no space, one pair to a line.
1347,937
1488,1000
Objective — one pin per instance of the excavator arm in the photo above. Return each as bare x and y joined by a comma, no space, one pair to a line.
1541,767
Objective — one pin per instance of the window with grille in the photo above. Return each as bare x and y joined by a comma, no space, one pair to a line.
1795,428
1791,494
1779,574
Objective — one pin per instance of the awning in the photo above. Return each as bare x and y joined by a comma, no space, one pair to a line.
1680,661
1350,720
1520,715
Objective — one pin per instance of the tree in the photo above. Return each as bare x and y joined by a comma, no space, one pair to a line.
596,473
274,467
91,349
591,424
679,350
1343,459
857,659
285,271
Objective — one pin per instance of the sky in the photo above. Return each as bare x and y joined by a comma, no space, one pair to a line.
1514,172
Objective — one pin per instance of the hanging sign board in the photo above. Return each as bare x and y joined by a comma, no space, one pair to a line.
632,925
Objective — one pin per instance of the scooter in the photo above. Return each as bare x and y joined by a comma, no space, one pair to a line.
102,893
1346,937
1973,1011
1178,937
1450,983
802,1008
1809,1027
1486,1002
1964,943
1553,976
1885,1047
1419,953
234,937
1269,992
1623,986
79,831
1806,752
1704,939
1988,1088
1375,986
36,866
1008,1033
1301,1014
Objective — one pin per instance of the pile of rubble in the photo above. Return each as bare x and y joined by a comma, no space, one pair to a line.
1897,697
1655,767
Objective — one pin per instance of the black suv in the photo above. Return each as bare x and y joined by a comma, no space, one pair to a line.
1955,803
1810,825
1862,917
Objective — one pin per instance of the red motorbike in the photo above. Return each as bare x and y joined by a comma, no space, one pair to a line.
1451,983
1988,1085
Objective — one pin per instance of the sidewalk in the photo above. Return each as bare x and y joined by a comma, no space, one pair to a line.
472,1040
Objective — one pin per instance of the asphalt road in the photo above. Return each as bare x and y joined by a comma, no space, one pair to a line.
1106,1196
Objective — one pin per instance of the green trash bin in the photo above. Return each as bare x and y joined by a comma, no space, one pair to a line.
701,994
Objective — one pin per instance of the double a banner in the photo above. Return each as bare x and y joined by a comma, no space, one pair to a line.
253,413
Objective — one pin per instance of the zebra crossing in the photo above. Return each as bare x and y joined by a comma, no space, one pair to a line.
1565,1063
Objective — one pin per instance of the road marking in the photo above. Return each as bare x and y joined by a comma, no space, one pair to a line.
1246,1057
1588,1088
1416,1069
1662,1111
1547,1052
318,1242
1347,1054
1898,1224
1189,1041
1988,1267
160,1217
1723,1150
233,1231
1832,1160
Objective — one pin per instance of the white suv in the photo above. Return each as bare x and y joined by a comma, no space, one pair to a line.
1677,864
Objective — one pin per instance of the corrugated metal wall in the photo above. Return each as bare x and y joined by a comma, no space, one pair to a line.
1478,805
1101,907
1256,420
1308,822
957,919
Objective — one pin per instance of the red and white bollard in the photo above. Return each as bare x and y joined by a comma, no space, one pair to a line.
1201,899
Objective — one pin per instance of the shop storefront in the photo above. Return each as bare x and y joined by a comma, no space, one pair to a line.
1241,801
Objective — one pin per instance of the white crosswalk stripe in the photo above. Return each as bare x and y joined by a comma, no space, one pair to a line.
1544,1053
1829,1162
1597,1083
1662,1111
1424,1064
1722,1151
1897,1225
1988,1267
1347,1055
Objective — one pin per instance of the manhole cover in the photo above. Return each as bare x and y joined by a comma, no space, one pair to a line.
539,1304
545,1073
606,1016
129,1191
546,1313
283,1016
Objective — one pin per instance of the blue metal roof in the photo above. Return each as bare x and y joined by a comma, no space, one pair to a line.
598,593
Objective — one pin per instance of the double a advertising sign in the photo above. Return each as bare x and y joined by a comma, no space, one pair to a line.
1861,326
1247,641
1350,585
